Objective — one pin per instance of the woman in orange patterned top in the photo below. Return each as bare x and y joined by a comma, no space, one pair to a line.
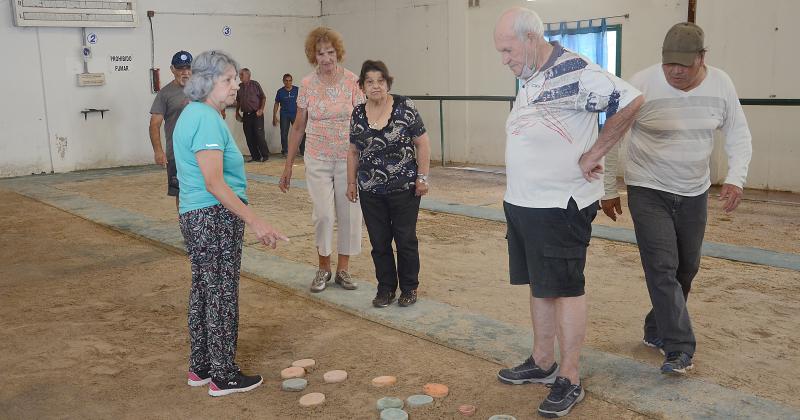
325,102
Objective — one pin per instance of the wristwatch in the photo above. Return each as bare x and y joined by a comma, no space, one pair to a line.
422,178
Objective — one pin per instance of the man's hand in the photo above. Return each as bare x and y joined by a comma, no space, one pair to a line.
160,158
611,207
259,113
274,121
238,117
731,195
591,168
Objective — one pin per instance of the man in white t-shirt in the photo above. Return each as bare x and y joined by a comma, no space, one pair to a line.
554,158
667,174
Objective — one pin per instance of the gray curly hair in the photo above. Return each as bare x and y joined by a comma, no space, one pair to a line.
206,69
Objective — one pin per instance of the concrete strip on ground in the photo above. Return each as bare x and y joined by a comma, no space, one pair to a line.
613,378
710,249
744,254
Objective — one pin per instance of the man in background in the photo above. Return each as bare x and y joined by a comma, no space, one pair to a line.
286,100
166,108
250,101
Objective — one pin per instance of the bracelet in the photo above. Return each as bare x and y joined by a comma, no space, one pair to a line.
351,183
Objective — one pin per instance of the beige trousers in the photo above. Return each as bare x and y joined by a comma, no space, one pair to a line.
327,186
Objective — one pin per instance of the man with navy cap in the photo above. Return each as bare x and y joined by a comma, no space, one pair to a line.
668,177
167,107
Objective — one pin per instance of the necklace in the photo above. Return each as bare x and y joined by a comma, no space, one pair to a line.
376,124
329,80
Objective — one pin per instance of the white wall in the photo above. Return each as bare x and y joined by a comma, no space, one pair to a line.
758,52
443,47
438,47
43,129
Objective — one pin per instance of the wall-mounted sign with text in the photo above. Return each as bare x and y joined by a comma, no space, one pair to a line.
121,63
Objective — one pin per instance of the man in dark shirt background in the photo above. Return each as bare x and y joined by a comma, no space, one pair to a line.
286,100
250,100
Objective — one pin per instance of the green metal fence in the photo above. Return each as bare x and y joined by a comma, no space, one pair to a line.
510,100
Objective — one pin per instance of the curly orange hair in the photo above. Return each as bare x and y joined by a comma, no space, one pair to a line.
324,34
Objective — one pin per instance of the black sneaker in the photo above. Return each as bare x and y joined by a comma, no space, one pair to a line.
654,342
239,383
528,372
677,362
383,300
407,298
563,396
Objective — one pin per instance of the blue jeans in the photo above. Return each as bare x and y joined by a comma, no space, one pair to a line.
669,231
286,122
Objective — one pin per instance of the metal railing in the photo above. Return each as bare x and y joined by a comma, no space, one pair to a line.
510,100
442,98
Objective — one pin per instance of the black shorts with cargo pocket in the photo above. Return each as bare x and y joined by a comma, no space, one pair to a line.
547,248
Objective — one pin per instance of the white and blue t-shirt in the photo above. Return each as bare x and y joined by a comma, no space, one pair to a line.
553,123
200,127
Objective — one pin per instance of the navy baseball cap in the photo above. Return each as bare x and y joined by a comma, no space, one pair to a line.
182,59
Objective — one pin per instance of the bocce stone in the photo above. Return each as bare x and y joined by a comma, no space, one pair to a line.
293,372
389,402
314,398
419,400
382,381
334,376
307,364
394,414
294,384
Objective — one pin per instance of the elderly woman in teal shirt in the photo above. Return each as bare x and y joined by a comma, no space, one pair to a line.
213,214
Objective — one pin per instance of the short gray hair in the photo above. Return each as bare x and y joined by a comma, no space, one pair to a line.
206,69
527,21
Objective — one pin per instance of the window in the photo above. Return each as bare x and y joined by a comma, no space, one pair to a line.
589,41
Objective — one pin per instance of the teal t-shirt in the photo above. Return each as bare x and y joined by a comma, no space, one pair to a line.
200,127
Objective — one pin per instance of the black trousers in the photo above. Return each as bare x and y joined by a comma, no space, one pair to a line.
393,217
253,127
286,122
669,230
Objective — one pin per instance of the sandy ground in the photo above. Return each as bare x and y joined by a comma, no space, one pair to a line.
746,317
94,326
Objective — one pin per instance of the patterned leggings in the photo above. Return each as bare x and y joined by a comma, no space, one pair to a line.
213,237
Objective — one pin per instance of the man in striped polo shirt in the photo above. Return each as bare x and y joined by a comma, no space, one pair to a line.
668,176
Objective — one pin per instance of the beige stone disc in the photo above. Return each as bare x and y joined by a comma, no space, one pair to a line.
382,381
307,364
312,399
293,372
334,376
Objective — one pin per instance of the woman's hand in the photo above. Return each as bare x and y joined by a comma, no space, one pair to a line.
267,234
286,178
352,192
421,187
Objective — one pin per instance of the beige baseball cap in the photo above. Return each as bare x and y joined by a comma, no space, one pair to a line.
682,43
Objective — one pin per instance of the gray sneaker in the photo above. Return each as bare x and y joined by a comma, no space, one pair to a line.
343,279
320,281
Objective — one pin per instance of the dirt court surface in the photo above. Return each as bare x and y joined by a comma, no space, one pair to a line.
94,326
746,317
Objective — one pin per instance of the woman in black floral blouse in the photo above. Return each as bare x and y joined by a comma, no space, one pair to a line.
387,167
